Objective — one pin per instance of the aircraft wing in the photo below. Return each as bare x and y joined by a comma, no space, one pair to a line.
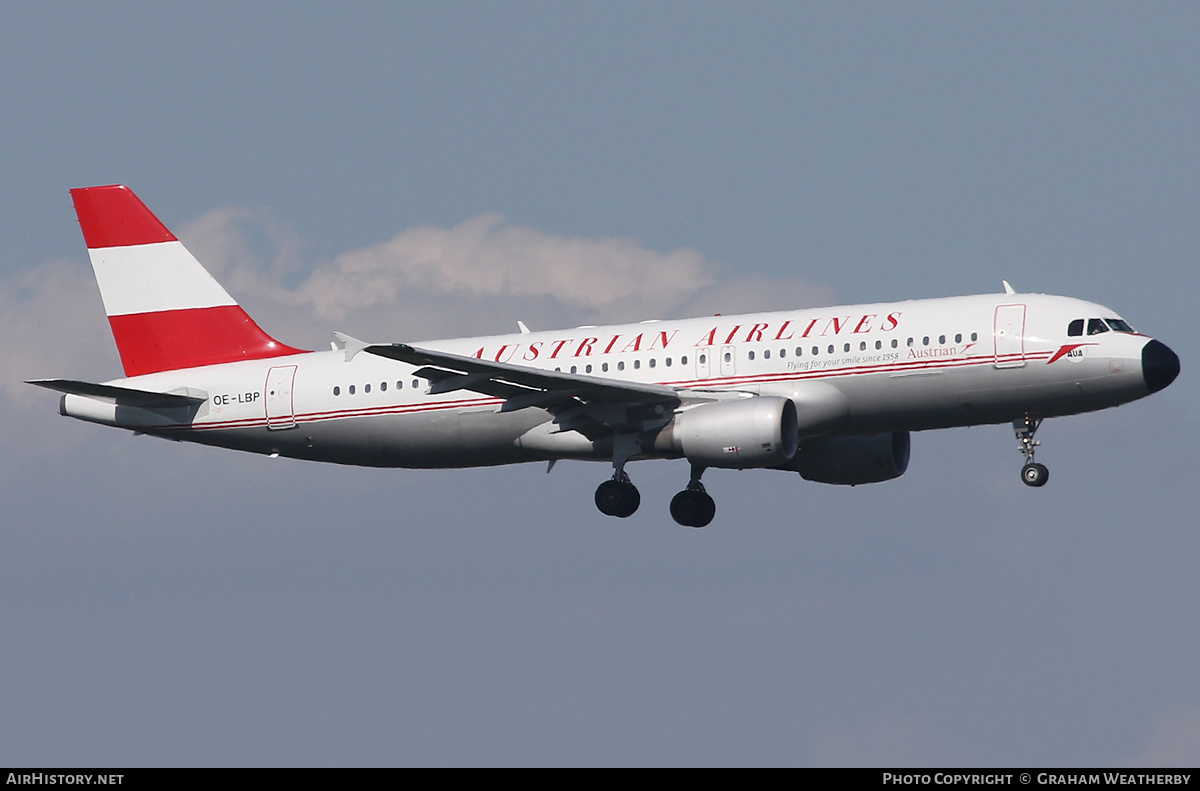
472,371
587,404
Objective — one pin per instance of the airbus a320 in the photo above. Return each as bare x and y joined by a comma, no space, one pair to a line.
830,393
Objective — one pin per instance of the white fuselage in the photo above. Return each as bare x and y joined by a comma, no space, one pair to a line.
860,369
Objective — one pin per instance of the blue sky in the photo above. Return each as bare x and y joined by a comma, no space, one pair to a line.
172,604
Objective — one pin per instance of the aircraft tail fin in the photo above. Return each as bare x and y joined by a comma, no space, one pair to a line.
165,310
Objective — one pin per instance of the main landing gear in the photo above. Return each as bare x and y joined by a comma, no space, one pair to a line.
693,507
618,497
1032,474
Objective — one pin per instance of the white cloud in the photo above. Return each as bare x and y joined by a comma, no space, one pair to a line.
249,251
53,325
484,257
477,277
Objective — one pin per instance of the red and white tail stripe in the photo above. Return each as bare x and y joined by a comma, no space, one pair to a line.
166,311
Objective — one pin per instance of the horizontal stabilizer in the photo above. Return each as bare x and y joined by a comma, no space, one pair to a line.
145,399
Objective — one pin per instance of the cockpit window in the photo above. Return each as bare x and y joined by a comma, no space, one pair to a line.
1119,325
1096,326
1075,328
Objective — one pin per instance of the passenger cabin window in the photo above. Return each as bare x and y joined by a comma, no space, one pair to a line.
1096,326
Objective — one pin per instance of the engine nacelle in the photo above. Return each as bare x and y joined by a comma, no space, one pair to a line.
750,432
849,461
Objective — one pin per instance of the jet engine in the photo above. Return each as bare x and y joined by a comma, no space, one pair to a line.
849,461
750,432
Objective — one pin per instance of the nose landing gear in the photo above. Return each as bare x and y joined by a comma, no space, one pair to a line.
1032,474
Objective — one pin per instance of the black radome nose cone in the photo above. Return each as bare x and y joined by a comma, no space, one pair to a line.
1160,366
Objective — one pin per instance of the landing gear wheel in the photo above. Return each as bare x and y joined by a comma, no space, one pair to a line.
1032,474
617,498
1035,474
692,508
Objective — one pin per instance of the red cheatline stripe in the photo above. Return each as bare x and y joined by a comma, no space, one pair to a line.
321,417
435,406
113,216
172,339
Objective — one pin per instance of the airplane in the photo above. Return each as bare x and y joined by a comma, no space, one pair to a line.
830,393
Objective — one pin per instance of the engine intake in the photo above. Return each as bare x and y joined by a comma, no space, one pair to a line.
849,461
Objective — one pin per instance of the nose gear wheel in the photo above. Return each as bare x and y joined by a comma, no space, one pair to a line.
1035,474
1032,474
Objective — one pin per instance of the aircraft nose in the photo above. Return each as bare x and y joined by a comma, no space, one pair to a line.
1160,366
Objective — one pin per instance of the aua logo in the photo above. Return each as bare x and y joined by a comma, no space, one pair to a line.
1075,352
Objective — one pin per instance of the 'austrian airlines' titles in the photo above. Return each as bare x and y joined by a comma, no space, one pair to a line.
656,340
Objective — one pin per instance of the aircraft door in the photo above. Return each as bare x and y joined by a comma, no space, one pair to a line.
280,409
703,363
728,361
1009,336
